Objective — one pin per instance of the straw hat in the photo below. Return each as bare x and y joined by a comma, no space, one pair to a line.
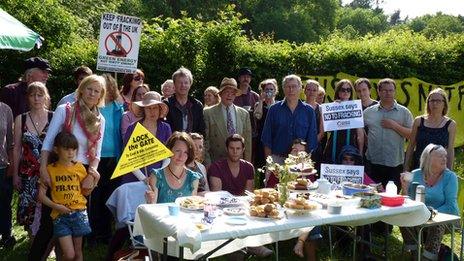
229,83
153,98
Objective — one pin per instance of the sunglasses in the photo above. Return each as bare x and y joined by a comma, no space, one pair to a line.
137,78
347,90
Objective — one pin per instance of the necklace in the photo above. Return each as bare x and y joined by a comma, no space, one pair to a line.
35,124
178,178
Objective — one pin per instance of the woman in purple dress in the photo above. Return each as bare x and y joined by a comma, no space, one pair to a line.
154,111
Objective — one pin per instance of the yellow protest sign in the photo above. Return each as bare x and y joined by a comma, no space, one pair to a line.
410,92
142,149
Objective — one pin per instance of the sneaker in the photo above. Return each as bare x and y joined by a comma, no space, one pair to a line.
260,251
8,242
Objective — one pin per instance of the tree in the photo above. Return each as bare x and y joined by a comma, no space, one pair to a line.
395,18
294,20
364,21
439,24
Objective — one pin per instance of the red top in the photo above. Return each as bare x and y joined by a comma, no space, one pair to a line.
234,185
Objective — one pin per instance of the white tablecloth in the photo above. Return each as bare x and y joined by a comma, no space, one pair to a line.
153,221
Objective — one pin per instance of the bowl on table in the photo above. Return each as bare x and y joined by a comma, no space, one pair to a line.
352,188
391,201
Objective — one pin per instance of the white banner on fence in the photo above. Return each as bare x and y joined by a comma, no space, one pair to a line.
118,48
340,173
342,115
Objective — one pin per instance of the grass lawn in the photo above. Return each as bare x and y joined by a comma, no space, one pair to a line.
19,252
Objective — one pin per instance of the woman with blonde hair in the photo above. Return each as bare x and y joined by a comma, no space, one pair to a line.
432,127
441,189
83,119
211,96
29,133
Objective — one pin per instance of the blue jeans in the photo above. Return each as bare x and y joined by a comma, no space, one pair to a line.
6,194
75,224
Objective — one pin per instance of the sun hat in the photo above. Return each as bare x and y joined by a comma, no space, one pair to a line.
37,62
229,83
153,98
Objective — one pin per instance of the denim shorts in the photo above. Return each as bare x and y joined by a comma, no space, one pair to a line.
75,224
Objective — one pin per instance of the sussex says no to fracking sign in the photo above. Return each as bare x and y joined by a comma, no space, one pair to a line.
342,115
118,47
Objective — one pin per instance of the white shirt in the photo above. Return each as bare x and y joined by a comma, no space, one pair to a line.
56,126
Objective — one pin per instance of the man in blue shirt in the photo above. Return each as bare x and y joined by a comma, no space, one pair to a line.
288,120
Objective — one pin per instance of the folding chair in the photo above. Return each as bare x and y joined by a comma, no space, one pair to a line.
137,241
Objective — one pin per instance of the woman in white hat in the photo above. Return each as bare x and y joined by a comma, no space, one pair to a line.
153,111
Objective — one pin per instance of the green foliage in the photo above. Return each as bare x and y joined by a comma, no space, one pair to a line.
435,25
293,20
362,20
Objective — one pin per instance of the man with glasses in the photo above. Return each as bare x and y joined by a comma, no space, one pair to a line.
389,125
288,120
14,95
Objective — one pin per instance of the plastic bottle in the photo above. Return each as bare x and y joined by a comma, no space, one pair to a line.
391,188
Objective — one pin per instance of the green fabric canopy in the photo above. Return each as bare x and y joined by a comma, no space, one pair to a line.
15,35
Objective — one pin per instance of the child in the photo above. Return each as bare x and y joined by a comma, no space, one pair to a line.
68,204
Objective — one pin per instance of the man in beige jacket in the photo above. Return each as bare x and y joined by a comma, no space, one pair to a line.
223,120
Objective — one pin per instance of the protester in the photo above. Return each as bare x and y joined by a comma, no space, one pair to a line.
232,174
175,180
441,186
247,98
320,95
196,165
29,133
130,81
154,111
223,120
84,120
70,220
79,74
6,173
129,117
269,90
235,175
167,89
311,91
111,150
363,87
288,120
185,112
389,126
13,95
432,127
211,96
339,138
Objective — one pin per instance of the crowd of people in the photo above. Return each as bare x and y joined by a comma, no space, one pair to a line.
60,162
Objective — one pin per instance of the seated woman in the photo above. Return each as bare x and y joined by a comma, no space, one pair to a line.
441,188
175,180
349,155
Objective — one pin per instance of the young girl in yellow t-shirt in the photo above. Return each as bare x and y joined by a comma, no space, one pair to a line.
69,214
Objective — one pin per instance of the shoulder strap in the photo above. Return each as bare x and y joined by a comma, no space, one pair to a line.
447,124
23,121
50,116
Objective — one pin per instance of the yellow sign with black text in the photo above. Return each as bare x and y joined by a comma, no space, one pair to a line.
410,92
142,149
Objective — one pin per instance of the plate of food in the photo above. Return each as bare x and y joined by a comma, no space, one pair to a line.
267,211
301,185
234,211
303,169
264,196
223,199
299,206
192,203
202,227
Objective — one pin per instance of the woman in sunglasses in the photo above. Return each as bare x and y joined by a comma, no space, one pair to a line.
339,138
130,81
432,127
